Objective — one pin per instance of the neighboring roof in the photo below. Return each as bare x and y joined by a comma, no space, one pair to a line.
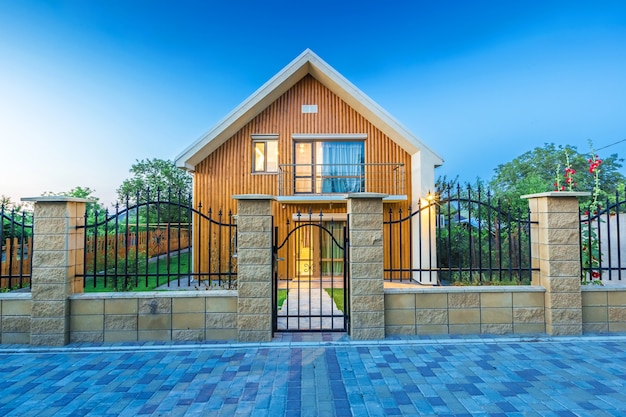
307,63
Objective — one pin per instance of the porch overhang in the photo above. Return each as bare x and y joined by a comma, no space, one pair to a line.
331,198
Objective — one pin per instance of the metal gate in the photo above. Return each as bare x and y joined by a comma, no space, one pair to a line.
311,275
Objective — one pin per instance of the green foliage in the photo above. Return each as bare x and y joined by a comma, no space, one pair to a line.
150,274
157,179
536,171
480,242
281,297
93,208
17,219
154,174
337,295
468,255
9,205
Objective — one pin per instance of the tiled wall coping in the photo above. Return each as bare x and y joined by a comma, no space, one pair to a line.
15,296
153,294
601,288
465,289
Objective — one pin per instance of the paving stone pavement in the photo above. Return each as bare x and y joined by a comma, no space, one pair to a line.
302,301
320,375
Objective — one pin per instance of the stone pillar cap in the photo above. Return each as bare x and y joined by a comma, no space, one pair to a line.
367,195
57,199
253,197
558,194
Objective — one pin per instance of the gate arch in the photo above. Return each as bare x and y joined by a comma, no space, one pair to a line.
310,277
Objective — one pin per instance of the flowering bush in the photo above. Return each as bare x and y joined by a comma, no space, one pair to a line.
569,176
590,244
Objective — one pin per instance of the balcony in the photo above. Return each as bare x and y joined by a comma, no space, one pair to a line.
321,182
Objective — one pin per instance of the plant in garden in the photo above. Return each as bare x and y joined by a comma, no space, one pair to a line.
590,243
568,175
527,174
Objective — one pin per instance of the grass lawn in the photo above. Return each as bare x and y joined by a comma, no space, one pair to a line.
282,296
146,278
337,295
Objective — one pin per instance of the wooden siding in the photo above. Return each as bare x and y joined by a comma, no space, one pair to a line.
228,170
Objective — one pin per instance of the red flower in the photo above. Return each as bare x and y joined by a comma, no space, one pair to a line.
594,164
595,274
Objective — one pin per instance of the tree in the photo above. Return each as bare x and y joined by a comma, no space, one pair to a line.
155,175
15,219
82,192
157,180
9,205
544,169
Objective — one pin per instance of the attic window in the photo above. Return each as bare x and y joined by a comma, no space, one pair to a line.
309,108
264,153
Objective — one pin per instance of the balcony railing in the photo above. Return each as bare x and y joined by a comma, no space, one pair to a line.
298,179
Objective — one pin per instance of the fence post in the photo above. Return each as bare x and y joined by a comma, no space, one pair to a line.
254,267
57,257
555,241
367,294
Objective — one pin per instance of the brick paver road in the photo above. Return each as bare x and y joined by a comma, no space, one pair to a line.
445,377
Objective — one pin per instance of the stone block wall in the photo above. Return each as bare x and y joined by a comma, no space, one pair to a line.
465,310
603,309
154,316
56,312
16,318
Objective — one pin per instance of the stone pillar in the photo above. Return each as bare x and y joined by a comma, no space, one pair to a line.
58,248
367,296
254,267
556,251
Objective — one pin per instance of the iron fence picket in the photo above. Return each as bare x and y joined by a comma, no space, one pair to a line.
16,247
601,247
465,232
157,248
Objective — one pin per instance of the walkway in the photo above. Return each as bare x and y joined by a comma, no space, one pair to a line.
431,377
305,299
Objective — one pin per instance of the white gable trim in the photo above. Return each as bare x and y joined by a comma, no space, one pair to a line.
306,63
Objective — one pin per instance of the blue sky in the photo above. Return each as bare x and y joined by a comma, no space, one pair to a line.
88,87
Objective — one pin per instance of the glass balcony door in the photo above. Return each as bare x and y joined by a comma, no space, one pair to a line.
305,168
329,167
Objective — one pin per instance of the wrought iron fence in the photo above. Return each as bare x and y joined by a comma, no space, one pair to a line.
460,237
603,260
159,244
16,237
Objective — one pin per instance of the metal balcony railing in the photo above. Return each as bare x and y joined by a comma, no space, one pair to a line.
298,179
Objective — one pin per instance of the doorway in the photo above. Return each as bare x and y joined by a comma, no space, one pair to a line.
314,295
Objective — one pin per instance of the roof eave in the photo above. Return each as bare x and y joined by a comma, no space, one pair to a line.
306,63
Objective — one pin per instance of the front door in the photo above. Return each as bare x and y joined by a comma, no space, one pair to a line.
317,255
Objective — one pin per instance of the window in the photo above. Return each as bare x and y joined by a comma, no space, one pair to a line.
329,166
265,153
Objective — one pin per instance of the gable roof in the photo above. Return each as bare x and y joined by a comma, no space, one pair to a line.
306,63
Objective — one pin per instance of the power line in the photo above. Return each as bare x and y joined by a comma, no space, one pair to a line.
604,147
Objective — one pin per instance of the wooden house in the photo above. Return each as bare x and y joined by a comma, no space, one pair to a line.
309,137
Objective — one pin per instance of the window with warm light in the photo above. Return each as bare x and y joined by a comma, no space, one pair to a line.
265,155
329,166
